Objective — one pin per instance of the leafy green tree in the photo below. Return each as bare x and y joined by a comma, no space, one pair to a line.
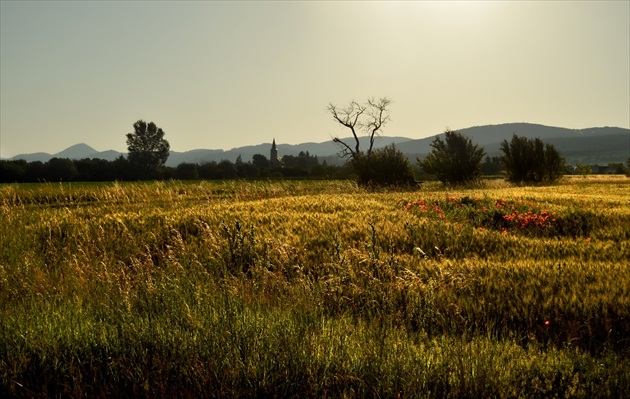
148,150
187,171
303,161
103,170
454,159
60,169
35,171
531,160
209,170
95,170
226,170
12,171
260,161
246,170
122,168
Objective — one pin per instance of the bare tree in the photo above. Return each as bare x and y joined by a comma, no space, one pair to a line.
368,118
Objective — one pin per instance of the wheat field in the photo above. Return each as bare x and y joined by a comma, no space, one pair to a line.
315,289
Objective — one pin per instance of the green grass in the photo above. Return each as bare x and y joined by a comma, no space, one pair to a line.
315,289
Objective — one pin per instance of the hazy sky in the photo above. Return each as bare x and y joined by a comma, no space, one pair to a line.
219,75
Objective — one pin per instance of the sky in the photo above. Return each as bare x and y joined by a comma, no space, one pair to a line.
219,75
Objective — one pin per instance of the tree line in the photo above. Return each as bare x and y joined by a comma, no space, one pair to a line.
148,152
121,169
454,159
304,165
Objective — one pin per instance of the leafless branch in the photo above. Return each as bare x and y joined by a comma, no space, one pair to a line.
346,150
379,116
350,118
369,118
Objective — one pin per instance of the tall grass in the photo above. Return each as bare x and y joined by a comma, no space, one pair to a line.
314,289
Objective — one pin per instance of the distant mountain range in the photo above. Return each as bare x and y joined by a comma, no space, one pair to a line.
592,146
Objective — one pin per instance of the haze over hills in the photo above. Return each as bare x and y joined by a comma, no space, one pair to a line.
598,145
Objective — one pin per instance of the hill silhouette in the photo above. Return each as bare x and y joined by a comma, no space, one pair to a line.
596,145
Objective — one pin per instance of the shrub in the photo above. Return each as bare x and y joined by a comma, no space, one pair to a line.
530,160
384,167
455,159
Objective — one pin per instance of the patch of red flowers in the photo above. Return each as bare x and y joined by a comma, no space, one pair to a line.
530,219
498,214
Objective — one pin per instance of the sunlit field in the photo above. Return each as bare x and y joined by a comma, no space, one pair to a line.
315,289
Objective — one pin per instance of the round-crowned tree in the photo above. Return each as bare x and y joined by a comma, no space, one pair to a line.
148,150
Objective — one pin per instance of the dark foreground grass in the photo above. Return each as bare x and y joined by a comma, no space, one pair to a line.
313,290
223,347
